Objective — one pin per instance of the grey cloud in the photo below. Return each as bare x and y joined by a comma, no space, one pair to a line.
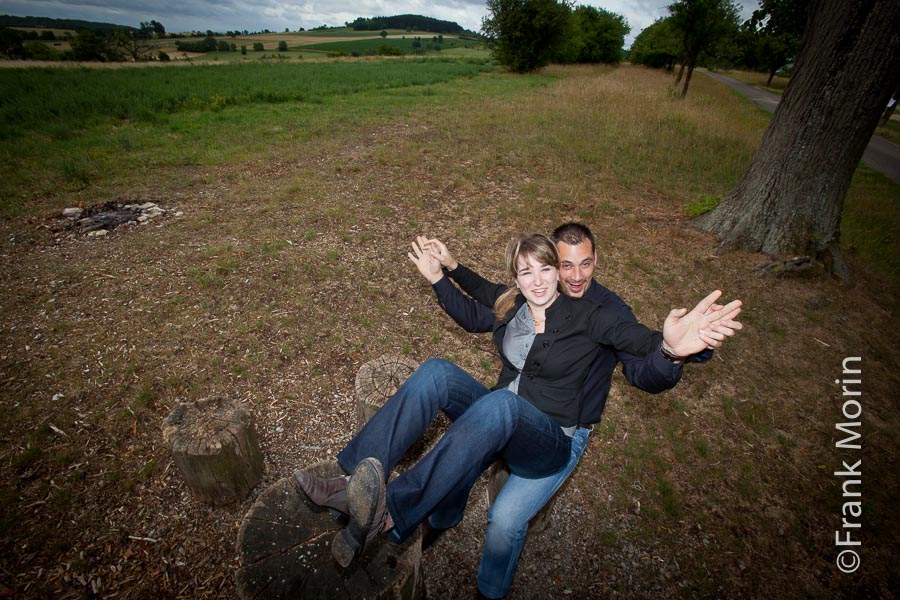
276,15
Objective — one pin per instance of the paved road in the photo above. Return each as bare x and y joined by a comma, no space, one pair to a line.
881,154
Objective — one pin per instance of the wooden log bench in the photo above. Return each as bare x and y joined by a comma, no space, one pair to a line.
284,542
284,549
378,380
213,444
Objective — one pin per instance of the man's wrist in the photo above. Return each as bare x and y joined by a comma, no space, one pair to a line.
668,354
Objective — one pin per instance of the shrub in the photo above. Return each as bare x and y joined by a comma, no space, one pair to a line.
386,50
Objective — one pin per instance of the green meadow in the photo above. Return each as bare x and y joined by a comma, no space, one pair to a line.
65,129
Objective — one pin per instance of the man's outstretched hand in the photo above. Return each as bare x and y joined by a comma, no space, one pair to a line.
706,326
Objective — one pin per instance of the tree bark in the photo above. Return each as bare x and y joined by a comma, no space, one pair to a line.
790,198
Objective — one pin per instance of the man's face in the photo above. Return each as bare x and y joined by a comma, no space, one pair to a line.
576,267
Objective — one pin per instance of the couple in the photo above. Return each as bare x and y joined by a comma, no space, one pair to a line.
558,352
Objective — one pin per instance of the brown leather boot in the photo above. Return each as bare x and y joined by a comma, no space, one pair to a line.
368,512
330,493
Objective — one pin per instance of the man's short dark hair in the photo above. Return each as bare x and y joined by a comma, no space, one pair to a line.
573,234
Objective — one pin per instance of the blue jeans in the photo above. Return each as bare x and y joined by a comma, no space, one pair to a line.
486,426
517,503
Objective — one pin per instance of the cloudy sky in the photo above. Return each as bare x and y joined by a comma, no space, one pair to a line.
276,15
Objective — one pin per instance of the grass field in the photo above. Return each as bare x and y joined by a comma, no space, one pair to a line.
331,40
286,270
108,120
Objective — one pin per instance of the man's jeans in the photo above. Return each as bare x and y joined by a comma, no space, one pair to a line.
516,504
487,426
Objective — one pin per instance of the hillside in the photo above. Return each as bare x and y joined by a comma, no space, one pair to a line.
409,22
50,23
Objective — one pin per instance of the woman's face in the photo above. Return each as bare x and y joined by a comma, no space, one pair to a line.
536,281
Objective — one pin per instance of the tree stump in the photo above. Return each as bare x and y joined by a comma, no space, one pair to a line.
378,380
213,444
498,473
284,549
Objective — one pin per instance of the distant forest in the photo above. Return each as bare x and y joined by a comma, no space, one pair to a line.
49,23
413,22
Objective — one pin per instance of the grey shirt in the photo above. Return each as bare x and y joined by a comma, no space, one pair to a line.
517,342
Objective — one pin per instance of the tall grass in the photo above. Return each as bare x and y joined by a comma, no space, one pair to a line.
620,129
59,101
105,133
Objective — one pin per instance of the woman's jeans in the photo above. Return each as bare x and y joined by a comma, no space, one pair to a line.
486,426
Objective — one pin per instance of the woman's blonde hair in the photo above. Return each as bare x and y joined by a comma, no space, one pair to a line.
535,245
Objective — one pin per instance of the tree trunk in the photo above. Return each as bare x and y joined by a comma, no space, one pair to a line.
684,61
687,79
790,198
771,76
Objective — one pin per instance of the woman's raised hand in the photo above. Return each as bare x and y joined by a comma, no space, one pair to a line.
438,249
425,261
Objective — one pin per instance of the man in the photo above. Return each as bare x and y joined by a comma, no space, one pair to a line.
521,499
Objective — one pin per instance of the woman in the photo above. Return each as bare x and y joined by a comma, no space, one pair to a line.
546,342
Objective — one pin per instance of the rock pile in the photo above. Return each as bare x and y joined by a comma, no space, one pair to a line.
99,220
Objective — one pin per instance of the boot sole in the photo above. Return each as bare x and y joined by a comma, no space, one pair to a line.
351,541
